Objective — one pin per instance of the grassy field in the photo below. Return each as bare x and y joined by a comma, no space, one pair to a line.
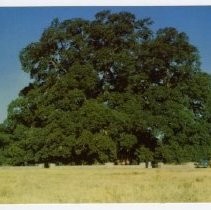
101,184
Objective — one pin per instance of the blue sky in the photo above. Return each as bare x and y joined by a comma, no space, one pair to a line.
21,26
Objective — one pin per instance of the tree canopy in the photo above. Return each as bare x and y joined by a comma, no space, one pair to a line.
109,89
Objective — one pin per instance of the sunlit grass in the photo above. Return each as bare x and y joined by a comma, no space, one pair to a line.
101,184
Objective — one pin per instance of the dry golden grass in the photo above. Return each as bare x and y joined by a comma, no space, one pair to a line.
101,184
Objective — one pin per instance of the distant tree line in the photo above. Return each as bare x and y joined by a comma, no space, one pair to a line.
109,90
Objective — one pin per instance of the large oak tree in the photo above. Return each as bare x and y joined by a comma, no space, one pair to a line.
110,89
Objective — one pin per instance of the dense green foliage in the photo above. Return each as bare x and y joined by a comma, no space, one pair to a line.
107,90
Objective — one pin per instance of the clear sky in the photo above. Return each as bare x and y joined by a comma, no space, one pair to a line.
21,26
